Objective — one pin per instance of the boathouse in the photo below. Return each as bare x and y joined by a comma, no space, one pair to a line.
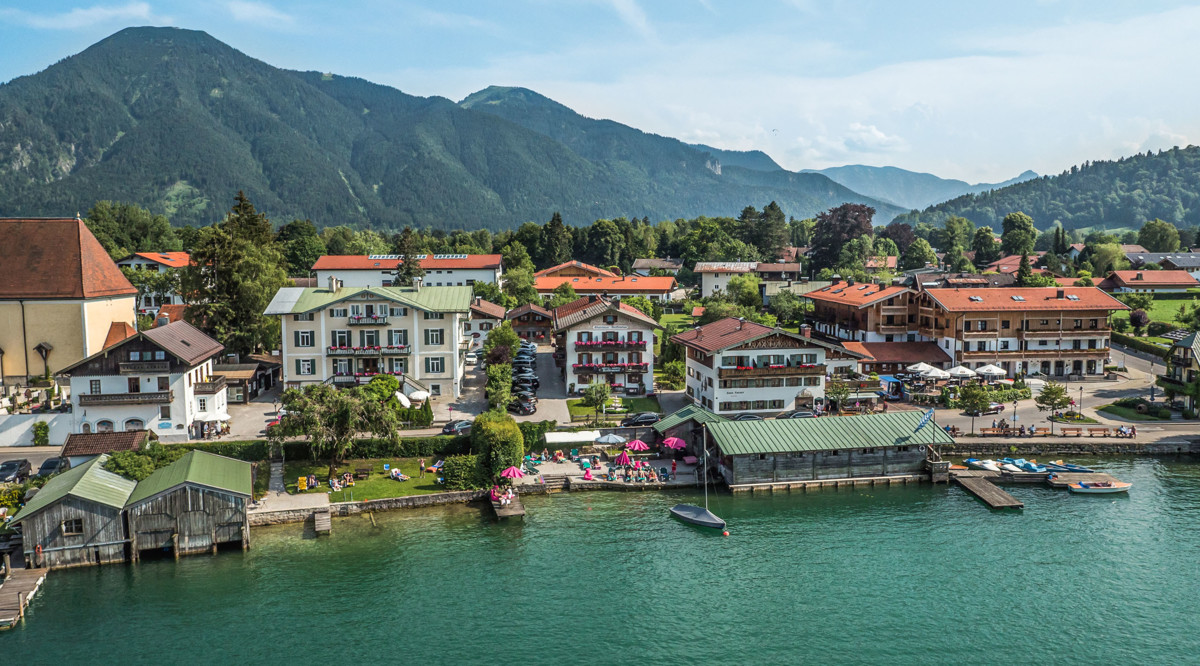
76,518
830,447
192,505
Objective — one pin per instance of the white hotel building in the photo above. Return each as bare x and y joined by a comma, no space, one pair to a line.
377,270
606,341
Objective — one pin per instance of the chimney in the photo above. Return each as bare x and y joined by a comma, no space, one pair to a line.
1062,293
849,282
806,330
592,298
699,332
162,320
741,321
333,284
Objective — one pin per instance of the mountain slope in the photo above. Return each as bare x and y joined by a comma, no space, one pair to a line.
177,121
1112,194
909,189
748,159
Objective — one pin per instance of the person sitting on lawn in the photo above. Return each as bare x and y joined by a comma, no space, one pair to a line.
312,481
333,483
347,479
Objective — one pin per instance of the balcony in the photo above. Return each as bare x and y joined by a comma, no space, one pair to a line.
367,320
359,378
384,350
595,368
101,399
1172,383
1064,333
143,367
610,345
211,386
893,329
1018,354
769,371
988,333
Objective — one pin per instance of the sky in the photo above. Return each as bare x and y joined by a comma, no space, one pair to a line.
979,91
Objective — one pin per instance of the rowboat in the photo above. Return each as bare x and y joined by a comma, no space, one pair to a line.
697,515
1099,487
976,463
1060,466
1009,467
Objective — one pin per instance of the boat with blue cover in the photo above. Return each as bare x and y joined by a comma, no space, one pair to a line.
1060,466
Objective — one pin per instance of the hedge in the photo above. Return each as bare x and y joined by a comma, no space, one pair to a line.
533,433
1138,345
464,472
1002,396
248,450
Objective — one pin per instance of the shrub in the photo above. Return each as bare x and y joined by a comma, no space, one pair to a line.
498,441
1158,328
464,472
250,451
1131,403
138,465
41,434
1139,345
1161,412
1189,414
534,431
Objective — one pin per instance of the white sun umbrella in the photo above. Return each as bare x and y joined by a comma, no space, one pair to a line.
935,373
920,368
403,399
419,395
961,372
991,371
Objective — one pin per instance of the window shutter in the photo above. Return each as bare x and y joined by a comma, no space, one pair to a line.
297,366
296,338
427,366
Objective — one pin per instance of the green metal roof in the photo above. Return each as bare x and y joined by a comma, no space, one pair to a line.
201,468
431,299
691,412
89,481
826,433
1192,341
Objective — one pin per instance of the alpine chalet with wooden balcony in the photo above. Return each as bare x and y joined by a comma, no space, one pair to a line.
606,341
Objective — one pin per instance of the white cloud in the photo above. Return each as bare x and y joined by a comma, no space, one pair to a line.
82,17
632,15
259,13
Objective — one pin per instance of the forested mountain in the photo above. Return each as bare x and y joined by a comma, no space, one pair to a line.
749,159
909,189
178,122
1110,195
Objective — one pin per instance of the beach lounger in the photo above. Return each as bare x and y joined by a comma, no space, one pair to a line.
436,467
574,455
302,484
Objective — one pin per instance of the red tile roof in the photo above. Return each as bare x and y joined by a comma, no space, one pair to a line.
858,294
1037,299
589,307
888,262
730,332
698,311
1134,248
168,259
96,443
764,267
528,308
899,352
171,311
53,258
618,285
1153,279
118,331
595,270
362,262
487,308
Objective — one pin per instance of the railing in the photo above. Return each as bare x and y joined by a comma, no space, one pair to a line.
892,328
360,377
610,345
769,371
1065,332
137,367
157,398
386,350
986,333
609,367
1167,381
367,320
214,385
1018,353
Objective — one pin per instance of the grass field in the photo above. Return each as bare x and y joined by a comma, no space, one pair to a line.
1164,310
378,486
634,405
1128,413
682,321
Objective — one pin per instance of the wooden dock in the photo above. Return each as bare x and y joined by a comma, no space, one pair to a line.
15,594
985,490
515,508
322,522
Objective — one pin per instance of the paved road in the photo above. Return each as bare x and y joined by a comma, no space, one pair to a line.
552,394
35,454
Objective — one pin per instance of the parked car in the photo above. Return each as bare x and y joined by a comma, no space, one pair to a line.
15,471
521,364
457,427
992,408
522,407
472,357
50,466
525,395
747,417
798,414
524,386
527,379
640,419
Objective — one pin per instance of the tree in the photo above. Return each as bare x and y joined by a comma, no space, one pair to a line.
770,231
1084,279
918,255
152,283
985,247
562,294
957,231
301,253
496,437
337,239
556,243
490,291
673,374
885,247
801,231
236,270
743,289
124,228
716,310
605,243
1139,320
1024,272
518,286
330,418
596,396
1158,236
643,305
835,227
367,242
499,386
1053,398
503,338
899,233
836,391
974,400
955,261
516,257
408,269
1137,301
1018,234
787,307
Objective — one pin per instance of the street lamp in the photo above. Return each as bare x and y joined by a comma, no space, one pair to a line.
1079,407
1151,381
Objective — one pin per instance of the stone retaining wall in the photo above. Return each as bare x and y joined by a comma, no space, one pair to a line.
279,517
410,502
1044,446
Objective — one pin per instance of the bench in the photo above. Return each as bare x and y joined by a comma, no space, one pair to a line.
362,473
690,460
1092,432
1071,431
993,431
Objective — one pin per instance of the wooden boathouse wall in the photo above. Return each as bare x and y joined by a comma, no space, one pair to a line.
101,541
188,518
833,464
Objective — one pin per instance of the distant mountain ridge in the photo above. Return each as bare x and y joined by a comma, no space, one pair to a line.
178,122
909,189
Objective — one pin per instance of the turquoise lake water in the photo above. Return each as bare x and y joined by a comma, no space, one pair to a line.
917,574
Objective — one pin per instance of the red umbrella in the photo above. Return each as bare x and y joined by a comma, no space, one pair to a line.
622,459
673,443
637,445
512,473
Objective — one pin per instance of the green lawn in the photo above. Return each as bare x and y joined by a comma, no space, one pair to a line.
262,480
683,321
634,405
379,486
1160,310
1128,413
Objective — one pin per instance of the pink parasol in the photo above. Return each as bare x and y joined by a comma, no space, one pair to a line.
512,473
673,443
622,459
637,445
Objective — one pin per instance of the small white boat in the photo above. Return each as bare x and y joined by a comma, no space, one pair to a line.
987,465
1009,467
1099,487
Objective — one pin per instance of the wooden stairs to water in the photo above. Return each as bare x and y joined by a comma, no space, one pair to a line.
322,522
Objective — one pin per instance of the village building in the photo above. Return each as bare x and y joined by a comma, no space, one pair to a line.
864,312
81,447
1149,282
485,316
881,264
194,505
1182,370
659,288
531,322
379,270
884,358
347,335
161,379
645,266
156,262
606,341
735,366
715,275
834,447
60,294
959,280
1189,262
687,423
574,269
1009,265
77,518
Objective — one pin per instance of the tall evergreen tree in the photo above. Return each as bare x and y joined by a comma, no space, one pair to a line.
1024,272
409,267
556,243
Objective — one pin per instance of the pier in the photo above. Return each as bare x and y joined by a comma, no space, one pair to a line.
512,509
15,593
982,487
322,522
